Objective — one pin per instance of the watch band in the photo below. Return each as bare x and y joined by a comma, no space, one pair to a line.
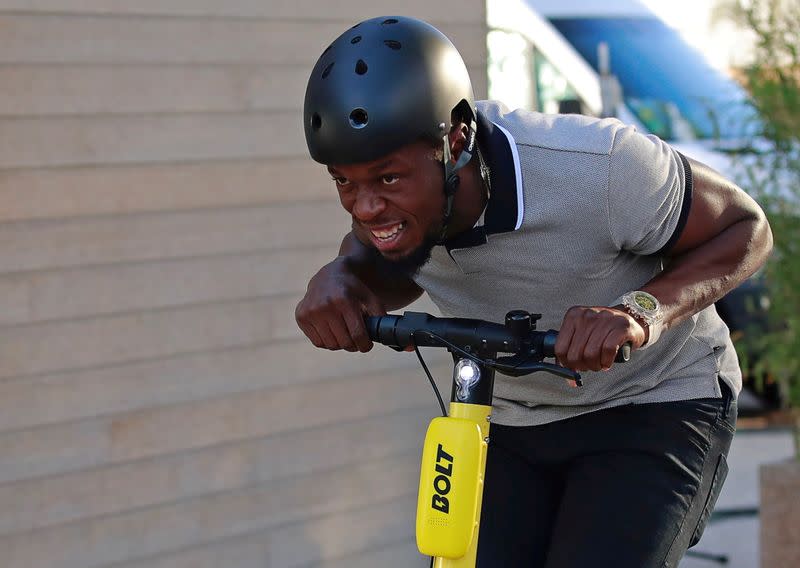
653,321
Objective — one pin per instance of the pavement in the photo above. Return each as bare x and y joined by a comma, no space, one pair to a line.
734,529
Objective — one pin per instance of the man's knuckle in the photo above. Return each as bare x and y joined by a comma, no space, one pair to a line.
575,311
592,352
344,303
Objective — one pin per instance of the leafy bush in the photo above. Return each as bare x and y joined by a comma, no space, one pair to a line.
771,174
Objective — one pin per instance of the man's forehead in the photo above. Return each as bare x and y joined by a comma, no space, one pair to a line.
376,166
406,156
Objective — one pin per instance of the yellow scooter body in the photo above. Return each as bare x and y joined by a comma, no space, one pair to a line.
451,484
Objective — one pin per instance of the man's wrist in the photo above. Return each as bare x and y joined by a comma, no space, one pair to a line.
646,310
638,319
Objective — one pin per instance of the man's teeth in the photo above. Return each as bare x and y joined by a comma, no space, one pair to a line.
390,232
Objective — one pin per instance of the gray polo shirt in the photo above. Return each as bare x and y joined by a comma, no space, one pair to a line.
581,211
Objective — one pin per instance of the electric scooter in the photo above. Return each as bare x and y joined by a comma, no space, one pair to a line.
456,443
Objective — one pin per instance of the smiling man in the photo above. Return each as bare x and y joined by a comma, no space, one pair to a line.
613,236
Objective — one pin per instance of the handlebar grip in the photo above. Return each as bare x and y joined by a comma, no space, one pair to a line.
422,329
372,323
548,346
381,329
623,353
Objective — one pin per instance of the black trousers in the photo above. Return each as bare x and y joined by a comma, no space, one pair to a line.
627,487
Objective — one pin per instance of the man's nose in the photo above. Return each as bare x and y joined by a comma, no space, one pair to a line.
368,206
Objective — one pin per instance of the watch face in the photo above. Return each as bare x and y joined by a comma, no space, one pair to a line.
645,301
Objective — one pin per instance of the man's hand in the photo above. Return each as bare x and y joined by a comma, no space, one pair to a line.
590,337
332,312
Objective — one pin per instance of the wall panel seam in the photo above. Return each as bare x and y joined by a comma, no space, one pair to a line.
266,533
146,360
345,22
154,310
323,381
155,214
125,165
247,157
298,338
86,117
429,410
406,454
254,253
410,540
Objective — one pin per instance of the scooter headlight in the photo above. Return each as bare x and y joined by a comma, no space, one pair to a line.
468,373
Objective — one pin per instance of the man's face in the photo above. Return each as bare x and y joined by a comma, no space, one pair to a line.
396,202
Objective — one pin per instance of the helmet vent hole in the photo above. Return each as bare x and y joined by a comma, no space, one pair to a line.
355,39
316,121
359,118
388,22
361,67
392,44
327,70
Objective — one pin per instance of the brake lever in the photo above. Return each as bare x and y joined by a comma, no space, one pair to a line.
518,366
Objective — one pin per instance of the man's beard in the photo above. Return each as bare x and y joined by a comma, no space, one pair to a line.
409,265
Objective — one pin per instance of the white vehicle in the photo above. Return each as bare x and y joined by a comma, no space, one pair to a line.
617,58
649,76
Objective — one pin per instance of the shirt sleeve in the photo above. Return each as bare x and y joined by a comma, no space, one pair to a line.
649,193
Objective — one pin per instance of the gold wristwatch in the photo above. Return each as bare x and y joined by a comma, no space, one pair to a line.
645,308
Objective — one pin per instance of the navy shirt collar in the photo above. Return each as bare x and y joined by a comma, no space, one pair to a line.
503,208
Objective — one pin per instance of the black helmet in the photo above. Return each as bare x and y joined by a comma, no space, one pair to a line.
384,83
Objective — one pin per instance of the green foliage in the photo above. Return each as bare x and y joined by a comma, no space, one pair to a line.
771,174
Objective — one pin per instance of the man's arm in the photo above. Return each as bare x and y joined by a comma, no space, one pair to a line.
725,240
394,290
346,289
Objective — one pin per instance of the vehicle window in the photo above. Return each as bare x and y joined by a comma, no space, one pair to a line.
552,87
510,69
522,77
672,89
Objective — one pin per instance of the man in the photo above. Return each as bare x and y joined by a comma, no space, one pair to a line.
612,235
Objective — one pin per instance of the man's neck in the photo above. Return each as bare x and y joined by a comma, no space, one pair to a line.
470,199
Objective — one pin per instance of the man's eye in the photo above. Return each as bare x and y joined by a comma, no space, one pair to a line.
390,179
341,181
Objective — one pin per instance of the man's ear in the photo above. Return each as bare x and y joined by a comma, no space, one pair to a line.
459,134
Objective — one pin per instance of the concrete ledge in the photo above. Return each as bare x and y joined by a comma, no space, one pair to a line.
780,514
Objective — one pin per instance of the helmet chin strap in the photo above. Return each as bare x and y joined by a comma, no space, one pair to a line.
451,178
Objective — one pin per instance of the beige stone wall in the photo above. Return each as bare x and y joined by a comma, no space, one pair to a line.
159,219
